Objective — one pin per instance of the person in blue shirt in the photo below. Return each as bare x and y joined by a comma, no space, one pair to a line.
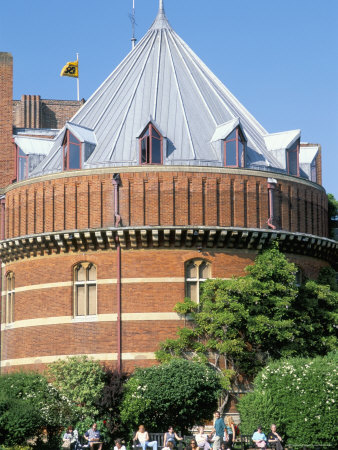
259,438
219,427
93,436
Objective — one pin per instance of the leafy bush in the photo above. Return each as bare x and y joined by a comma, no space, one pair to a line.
300,396
180,393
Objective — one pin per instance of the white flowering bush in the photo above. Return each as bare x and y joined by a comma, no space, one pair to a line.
300,396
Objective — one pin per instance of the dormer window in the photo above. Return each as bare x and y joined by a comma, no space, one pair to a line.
292,159
234,149
71,152
151,143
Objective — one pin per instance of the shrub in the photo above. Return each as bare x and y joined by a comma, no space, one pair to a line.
300,395
180,393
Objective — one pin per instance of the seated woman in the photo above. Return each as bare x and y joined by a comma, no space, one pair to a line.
70,438
259,438
202,439
143,437
169,446
171,436
119,445
192,445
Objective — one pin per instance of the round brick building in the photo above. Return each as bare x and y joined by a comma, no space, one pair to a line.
161,180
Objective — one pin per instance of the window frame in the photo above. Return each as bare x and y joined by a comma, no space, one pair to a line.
10,298
197,262
18,158
149,150
84,283
239,137
66,144
293,149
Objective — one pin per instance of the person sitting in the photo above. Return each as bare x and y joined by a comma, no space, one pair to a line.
274,438
171,436
93,436
119,445
259,438
169,446
226,445
202,439
192,445
70,438
143,437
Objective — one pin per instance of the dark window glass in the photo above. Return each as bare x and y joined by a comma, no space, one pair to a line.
156,151
240,154
73,140
144,152
155,133
292,155
314,171
232,135
74,156
23,168
230,154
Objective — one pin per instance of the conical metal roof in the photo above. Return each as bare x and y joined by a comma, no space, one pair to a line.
162,80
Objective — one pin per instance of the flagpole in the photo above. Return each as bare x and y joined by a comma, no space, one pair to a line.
77,80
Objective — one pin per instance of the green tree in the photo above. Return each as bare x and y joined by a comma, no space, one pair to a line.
179,393
81,380
28,404
242,323
332,214
299,395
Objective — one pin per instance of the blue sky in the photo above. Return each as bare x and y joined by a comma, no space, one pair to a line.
278,57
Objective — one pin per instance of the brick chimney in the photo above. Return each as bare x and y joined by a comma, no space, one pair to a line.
7,154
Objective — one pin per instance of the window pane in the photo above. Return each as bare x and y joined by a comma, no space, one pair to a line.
12,307
74,156
144,151
240,154
146,133
92,273
292,162
156,151
91,299
80,300
191,270
65,151
204,270
230,153
80,273
72,139
155,133
232,135
314,172
192,291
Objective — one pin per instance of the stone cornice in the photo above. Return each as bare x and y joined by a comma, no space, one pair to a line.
159,169
199,238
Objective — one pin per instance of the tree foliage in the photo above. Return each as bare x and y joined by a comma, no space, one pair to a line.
80,379
242,323
180,393
300,396
332,213
29,404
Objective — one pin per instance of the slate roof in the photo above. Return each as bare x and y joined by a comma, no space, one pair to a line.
162,80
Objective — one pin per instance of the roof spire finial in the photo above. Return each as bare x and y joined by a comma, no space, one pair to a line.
161,20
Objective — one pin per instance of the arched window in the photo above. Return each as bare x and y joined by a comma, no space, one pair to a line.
10,297
85,289
234,149
151,143
71,152
299,276
196,272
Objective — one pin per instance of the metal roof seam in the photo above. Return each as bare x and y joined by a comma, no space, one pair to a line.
157,75
132,98
180,97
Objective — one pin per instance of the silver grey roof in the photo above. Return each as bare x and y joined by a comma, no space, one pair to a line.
162,80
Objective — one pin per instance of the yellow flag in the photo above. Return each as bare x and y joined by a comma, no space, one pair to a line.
71,69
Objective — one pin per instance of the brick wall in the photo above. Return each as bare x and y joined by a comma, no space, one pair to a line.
7,159
138,336
33,112
163,198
